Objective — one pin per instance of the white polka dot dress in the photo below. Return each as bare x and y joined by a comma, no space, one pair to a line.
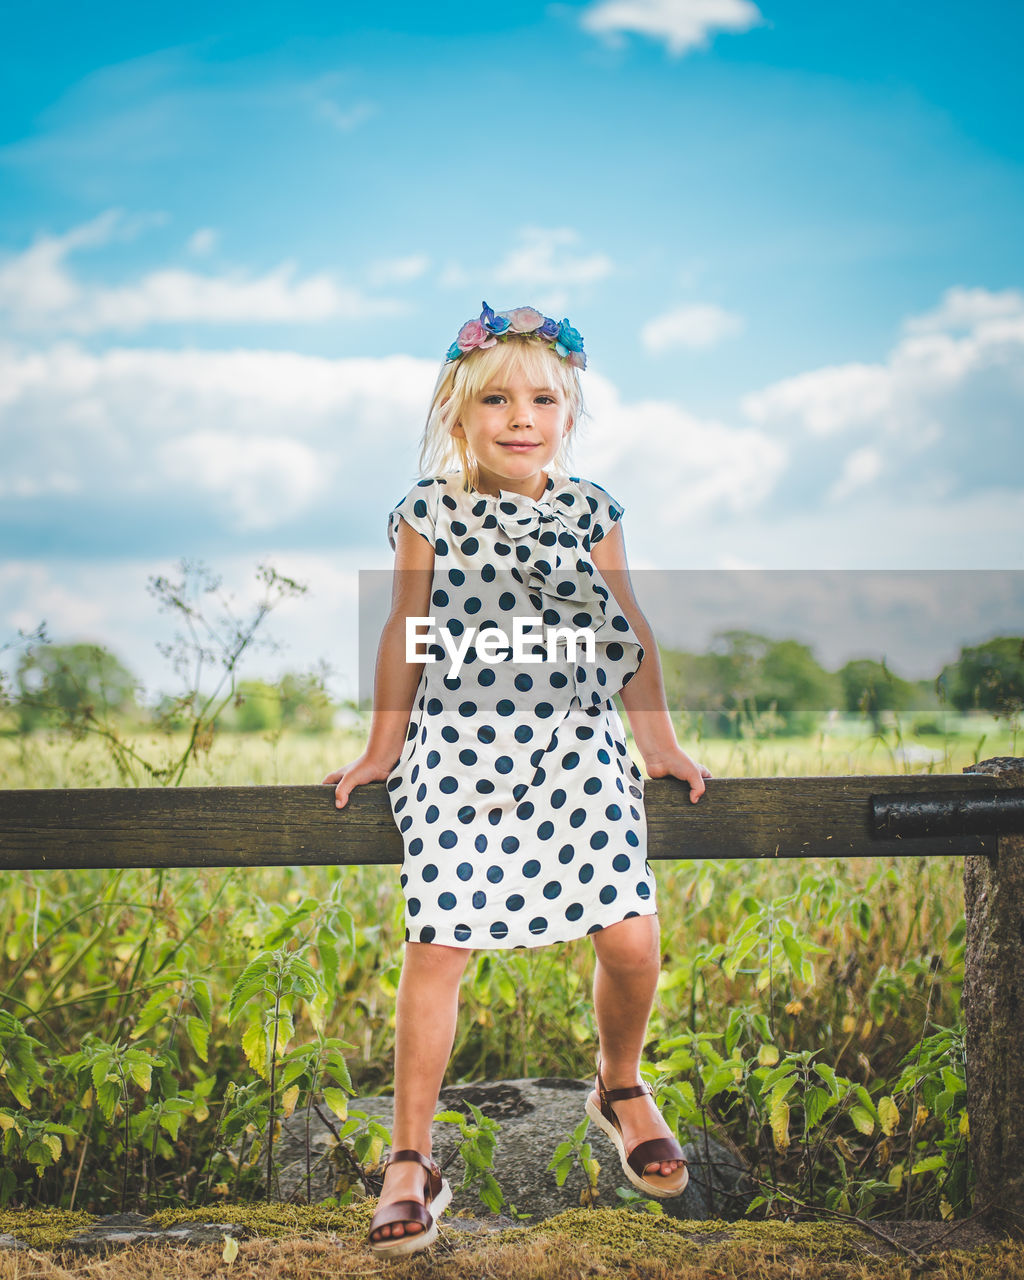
520,809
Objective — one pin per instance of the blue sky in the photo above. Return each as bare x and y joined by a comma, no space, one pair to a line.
234,243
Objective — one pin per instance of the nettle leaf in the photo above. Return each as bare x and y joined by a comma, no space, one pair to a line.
201,998
337,1069
829,1076
254,1046
816,1102
719,1079
252,981
337,1100
199,1036
327,949
141,1073
794,954
888,1115
294,1069
863,1121
866,1101
107,1097
152,1012
779,1120
171,1121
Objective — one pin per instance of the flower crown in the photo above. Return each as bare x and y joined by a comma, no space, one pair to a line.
560,337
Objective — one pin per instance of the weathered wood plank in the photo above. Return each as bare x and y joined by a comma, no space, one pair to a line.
290,826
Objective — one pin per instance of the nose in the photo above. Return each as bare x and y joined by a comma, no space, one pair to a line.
522,415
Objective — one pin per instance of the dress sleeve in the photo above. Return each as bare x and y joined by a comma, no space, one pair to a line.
606,511
419,509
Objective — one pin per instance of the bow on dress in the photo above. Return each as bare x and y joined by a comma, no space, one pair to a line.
567,590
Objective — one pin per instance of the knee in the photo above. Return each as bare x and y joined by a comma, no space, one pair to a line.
623,951
436,961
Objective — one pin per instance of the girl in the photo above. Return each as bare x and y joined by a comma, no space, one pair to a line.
520,808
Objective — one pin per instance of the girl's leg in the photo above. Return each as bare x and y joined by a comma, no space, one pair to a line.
425,1016
628,958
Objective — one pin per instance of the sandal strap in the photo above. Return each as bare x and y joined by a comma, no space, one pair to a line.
608,1096
434,1179
401,1211
634,1091
654,1151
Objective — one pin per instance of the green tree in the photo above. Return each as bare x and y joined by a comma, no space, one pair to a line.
869,688
987,677
763,681
304,701
794,682
65,683
256,708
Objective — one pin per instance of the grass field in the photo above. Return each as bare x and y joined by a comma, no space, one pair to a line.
849,746
772,974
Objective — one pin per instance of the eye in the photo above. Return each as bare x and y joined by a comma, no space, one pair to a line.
546,400
493,399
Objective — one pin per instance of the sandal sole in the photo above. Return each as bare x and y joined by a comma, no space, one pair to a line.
641,1184
406,1244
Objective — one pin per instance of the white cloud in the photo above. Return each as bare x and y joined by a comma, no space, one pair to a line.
345,119
203,241
696,325
399,270
943,410
860,469
545,258
265,482
257,439
38,292
681,24
917,394
825,401
963,308
685,467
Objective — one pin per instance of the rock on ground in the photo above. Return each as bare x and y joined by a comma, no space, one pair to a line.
534,1115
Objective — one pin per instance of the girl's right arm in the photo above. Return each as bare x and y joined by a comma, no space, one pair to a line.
395,680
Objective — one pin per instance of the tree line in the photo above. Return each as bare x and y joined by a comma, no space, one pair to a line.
743,684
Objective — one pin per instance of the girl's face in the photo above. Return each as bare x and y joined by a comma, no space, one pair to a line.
514,430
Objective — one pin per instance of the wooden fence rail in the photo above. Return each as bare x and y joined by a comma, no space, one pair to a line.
976,815
822,817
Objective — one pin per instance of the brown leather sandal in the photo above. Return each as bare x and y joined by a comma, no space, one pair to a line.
653,1151
437,1195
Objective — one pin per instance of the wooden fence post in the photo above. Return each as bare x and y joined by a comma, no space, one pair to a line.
993,1007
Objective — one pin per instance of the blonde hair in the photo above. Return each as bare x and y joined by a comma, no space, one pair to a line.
461,380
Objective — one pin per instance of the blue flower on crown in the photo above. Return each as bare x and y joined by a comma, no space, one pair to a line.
526,322
494,322
568,340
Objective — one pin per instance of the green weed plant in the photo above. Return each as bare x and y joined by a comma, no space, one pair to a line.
158,1026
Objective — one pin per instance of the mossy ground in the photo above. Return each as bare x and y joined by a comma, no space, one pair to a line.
309,1243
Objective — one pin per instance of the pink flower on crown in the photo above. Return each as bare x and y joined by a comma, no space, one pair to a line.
473,334
525,319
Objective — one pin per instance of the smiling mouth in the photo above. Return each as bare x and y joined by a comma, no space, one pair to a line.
518,444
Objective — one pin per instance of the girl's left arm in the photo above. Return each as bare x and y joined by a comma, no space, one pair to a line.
644,696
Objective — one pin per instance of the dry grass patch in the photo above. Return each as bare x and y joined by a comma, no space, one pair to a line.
575,1245
553,1258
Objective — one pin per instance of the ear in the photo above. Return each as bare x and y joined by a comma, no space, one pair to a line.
458,432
